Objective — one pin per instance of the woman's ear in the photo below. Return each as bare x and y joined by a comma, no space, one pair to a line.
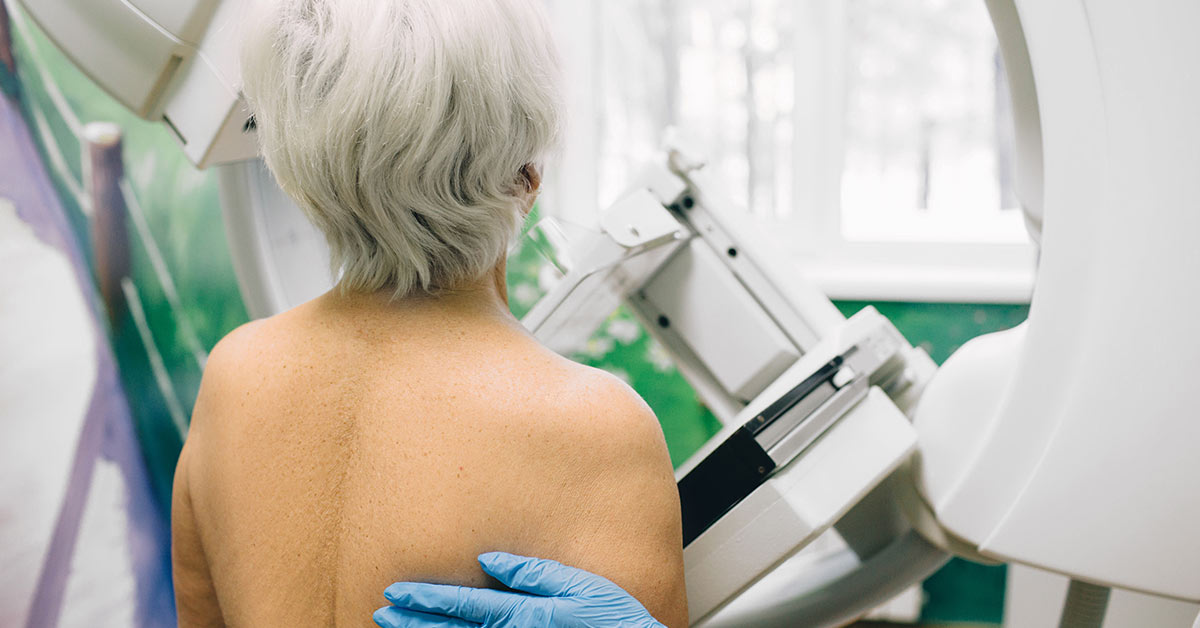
531,177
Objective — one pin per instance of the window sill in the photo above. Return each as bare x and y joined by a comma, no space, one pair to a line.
849,280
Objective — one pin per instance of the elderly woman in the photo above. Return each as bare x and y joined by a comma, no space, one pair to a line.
400,425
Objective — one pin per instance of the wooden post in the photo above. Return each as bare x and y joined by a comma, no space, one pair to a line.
6,42
110,231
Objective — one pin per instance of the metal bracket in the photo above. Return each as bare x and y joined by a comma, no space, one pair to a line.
640,219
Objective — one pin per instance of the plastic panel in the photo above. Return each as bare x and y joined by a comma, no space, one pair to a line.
722,323
281,260
186,19
800,502
1094,443
127,55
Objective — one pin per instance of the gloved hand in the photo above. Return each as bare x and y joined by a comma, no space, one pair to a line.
555,596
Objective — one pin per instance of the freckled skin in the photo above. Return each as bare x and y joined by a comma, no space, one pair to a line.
354,442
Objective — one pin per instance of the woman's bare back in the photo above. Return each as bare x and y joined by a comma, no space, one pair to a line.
350,443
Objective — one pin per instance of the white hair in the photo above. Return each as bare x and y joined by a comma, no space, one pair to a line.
403,127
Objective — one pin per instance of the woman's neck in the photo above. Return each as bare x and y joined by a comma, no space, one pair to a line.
487,297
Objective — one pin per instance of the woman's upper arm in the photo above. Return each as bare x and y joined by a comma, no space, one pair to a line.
195,596
626,525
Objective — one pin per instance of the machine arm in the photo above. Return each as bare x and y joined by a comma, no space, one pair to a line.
814,404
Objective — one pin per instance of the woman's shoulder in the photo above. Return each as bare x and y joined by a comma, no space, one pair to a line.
586,400
595,420
242,349
602,402
603,461
253,345
245,359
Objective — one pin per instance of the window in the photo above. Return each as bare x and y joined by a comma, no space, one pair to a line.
928,132
876,135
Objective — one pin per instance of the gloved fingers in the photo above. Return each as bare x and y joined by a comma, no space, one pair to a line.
538,576
480,606
392,617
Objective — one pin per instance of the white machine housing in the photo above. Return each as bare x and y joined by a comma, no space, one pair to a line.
169,60
1071,443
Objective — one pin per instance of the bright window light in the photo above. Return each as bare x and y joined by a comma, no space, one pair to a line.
928,126
875,136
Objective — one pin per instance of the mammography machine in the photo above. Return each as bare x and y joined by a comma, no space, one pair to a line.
1069,444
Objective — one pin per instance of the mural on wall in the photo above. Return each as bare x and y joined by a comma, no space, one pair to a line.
86,540
181,296
155,254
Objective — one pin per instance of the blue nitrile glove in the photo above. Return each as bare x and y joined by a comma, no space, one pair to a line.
555,596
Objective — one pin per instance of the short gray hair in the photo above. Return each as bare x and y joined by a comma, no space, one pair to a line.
402,127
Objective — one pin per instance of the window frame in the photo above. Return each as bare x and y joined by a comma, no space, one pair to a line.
914,271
